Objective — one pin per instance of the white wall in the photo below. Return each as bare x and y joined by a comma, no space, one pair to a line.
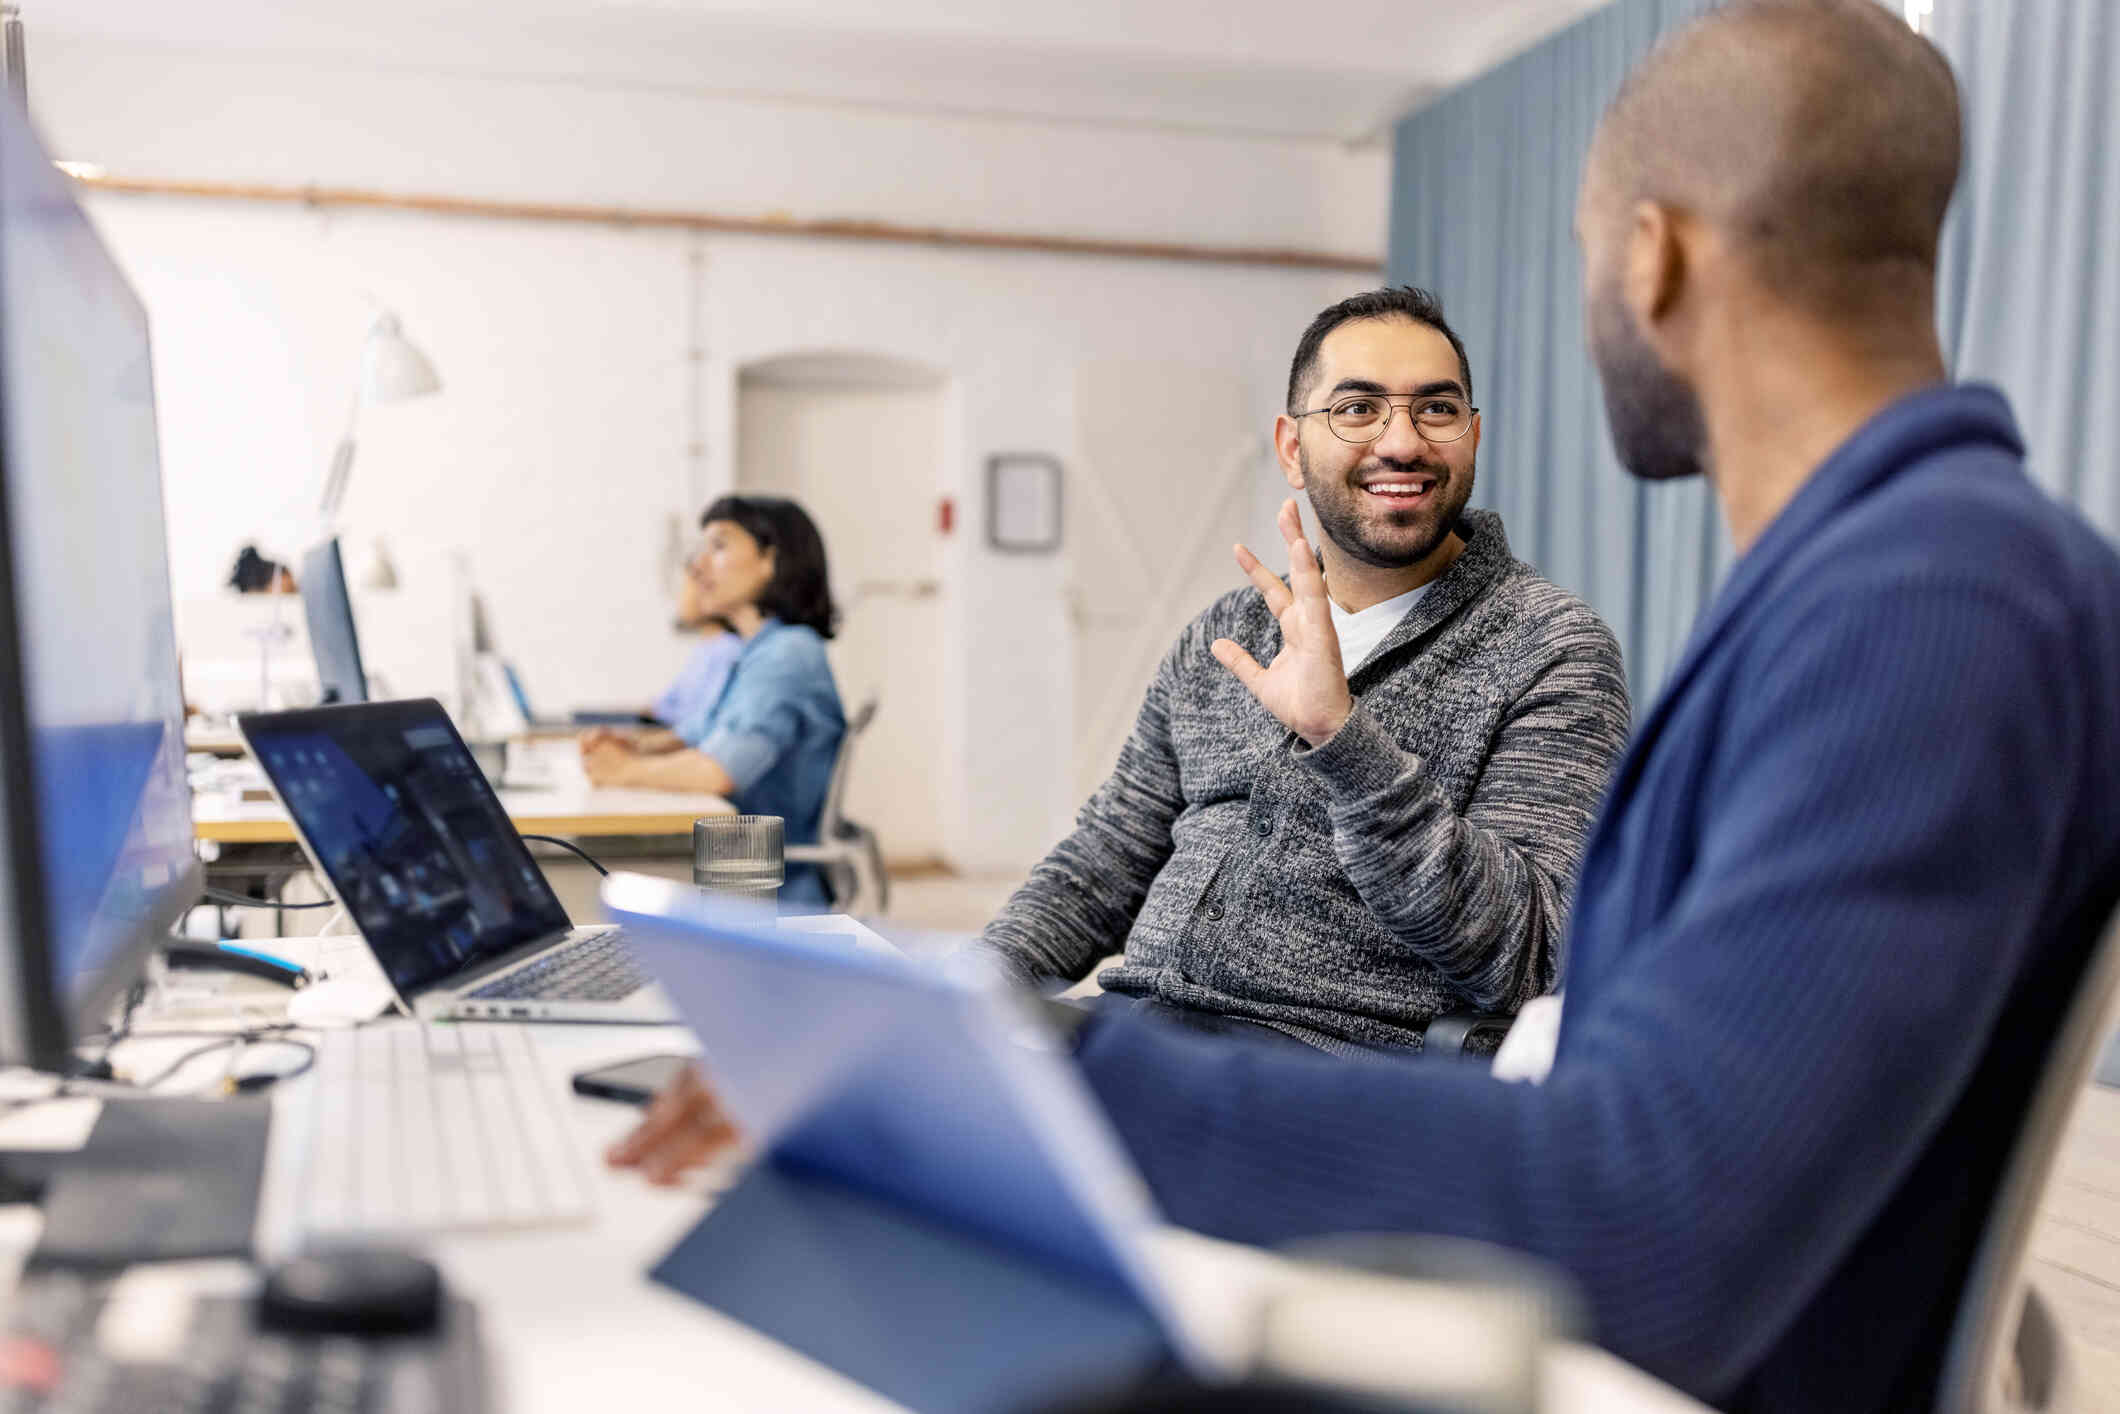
559,453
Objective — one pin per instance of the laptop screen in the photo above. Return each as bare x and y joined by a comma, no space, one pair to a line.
414,840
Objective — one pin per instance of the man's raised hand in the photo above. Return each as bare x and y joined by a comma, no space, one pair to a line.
1306,688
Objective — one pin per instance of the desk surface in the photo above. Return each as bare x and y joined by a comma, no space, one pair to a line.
572,1322
553,798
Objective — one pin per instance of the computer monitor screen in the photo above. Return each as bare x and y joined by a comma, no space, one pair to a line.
332,638
96,855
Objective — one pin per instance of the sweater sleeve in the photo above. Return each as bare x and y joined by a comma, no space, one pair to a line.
1753,1076
1079,902
1484,895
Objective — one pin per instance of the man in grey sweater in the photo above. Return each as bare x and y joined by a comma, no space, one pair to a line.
1418,862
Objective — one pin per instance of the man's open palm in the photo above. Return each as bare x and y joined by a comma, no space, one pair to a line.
1306,688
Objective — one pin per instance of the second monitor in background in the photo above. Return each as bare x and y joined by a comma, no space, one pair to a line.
332,637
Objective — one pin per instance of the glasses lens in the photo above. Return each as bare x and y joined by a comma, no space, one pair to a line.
1362,418
1358,419
1442,418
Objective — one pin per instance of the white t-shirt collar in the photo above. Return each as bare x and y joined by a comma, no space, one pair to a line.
1361,632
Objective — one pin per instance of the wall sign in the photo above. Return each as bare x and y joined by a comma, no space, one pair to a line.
1023,502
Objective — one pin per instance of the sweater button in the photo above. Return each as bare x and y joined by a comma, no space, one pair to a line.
1214,913
1264,825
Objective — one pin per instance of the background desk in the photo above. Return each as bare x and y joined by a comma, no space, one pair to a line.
573,809
647,831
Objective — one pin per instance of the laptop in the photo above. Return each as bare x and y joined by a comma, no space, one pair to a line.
504,704
910,1087
393,810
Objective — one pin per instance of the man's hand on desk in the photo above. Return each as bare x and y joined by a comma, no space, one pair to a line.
685,1127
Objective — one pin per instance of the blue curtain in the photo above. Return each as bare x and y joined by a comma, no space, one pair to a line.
1483,200
1484,185
2030,296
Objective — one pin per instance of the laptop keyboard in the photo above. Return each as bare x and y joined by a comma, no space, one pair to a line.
593,969
421,1128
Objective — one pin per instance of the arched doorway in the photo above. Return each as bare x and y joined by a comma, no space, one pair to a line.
858,440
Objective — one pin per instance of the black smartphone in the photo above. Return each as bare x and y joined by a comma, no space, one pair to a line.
636,1081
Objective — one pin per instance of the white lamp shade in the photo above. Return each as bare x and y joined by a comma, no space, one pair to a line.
391,368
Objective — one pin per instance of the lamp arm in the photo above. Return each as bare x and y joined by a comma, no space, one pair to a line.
335,481
341,462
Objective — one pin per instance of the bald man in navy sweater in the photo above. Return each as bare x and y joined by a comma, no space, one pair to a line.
1854,861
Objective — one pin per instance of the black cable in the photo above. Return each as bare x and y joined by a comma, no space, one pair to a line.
99,1068
250,1084
569,845
241,1084
229,900
219,1044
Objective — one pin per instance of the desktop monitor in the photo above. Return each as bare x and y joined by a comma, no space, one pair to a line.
96,856
332,638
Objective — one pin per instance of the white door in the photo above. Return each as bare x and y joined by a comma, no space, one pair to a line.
1172,462
859,444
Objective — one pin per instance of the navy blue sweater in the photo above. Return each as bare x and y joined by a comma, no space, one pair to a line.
1845,881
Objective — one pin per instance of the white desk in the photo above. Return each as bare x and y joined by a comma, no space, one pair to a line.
546,794
587,812
572,1321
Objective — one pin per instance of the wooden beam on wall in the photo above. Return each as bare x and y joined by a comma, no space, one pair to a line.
819,228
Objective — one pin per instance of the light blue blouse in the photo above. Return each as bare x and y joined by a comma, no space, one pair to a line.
776,729
699,683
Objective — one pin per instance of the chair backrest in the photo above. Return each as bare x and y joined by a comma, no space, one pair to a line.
831,825
1993,1307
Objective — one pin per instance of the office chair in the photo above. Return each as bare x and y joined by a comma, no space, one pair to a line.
847,853
1466,1035
2006,1352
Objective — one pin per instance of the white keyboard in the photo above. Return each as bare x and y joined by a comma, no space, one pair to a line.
430,1128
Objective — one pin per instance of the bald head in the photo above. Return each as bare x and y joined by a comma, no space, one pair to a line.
1819,137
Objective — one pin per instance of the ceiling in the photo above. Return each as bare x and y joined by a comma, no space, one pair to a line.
1254,67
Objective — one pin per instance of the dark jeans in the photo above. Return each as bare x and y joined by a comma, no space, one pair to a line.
1213,1023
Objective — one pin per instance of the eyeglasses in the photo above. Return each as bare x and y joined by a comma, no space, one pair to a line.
1363,417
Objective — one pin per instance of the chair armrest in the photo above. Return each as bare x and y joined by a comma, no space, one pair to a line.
1466,1035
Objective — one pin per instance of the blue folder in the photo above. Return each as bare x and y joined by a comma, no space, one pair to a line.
915,1309
943,1214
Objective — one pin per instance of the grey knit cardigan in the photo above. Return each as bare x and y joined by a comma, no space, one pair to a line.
1420,862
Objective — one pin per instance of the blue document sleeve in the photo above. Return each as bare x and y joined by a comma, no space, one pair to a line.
935,1318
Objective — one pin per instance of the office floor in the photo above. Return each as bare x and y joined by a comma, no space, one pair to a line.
2076,1248
934,900
2075,1251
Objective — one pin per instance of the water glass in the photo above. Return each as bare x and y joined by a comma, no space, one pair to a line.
739,856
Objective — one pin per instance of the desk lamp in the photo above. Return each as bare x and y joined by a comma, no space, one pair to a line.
392,370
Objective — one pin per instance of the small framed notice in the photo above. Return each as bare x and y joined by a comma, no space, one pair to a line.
1023,503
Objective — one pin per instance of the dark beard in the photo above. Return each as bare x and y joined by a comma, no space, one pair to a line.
1657,425
1335,504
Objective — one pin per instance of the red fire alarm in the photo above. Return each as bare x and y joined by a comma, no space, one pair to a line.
945,515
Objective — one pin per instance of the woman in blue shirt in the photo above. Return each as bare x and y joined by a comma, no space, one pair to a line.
767,742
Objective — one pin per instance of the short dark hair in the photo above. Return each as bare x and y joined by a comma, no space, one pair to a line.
1390,302
800,591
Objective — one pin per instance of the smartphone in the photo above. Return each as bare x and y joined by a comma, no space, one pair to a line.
636,1081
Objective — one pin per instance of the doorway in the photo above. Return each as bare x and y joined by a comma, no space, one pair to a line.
857,440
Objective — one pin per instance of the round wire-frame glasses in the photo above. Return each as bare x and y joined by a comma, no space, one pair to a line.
1364,417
